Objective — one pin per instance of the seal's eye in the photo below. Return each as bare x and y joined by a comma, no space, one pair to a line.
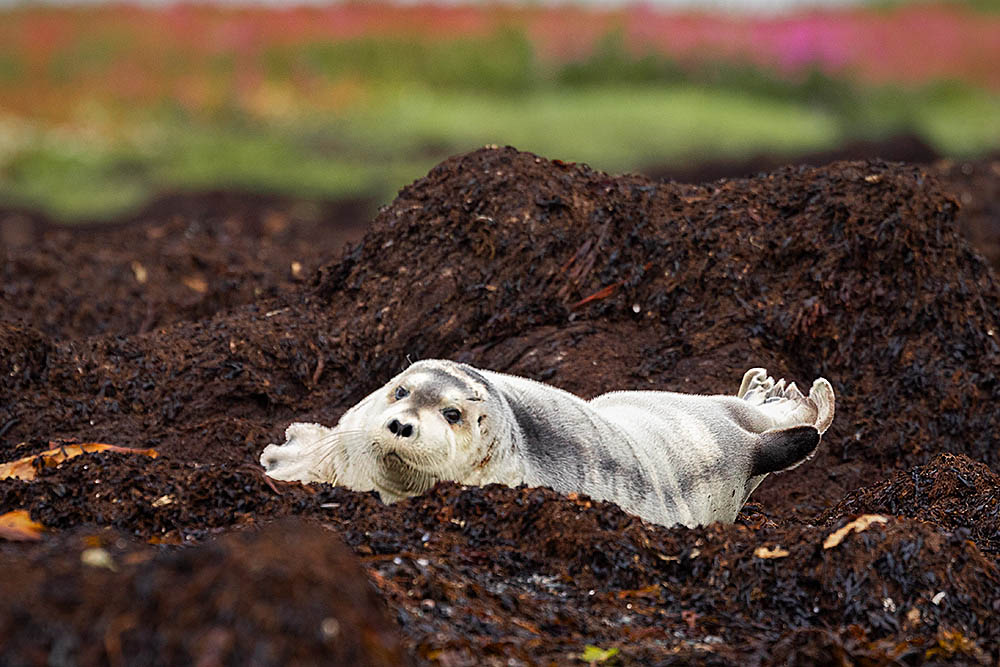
401,393
452,415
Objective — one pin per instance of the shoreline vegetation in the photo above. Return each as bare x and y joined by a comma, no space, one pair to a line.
102,107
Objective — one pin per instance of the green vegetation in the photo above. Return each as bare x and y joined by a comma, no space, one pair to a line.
596,654
985,6
418,102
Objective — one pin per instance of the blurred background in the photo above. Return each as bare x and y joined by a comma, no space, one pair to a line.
103,106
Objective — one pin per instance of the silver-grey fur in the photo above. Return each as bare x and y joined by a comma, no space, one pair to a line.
666,457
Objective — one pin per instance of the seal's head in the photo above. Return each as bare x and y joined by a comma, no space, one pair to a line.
437,420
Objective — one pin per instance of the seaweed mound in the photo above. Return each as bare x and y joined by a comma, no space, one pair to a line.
474,573
288,593
951,491
854,271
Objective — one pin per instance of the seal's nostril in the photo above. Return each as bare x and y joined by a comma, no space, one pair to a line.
402,430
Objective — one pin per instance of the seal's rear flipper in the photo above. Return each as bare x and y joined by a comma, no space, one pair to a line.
781,449
785,404
822,397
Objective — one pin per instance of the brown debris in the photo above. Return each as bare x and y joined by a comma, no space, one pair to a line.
17,526
859,525
26,468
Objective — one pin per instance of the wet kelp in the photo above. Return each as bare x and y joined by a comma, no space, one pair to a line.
854,271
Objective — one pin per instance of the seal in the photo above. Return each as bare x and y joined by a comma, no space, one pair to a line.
667,457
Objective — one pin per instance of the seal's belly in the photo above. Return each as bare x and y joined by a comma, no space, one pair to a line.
689,460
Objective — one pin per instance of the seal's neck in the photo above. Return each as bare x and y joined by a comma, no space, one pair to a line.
548,432
501,463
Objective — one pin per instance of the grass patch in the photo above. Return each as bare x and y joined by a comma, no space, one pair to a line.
361,118
401,132
611,127
376,150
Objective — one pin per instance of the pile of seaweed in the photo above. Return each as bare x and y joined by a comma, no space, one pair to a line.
853,271
246,598
951,491
182,257
482,574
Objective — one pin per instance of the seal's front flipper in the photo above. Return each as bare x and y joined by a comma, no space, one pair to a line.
782,449
298,459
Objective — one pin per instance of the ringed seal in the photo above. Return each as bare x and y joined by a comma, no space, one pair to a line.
666,457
